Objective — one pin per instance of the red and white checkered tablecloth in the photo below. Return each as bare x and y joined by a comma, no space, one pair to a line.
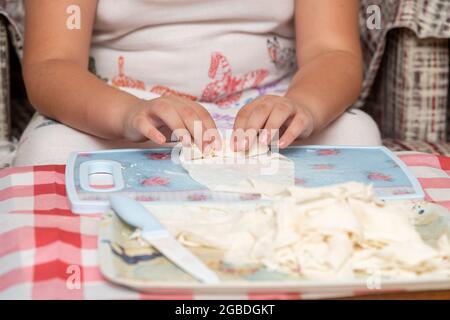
45,249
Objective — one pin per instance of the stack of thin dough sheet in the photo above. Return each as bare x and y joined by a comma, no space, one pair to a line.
336,232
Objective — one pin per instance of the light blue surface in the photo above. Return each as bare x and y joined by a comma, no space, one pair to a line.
150,175
348,164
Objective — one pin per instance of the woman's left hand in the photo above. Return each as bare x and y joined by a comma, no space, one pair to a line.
271,113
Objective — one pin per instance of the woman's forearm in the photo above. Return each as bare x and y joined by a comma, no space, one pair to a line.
327,85
66,92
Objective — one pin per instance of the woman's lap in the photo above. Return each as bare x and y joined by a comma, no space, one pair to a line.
352,128
49,142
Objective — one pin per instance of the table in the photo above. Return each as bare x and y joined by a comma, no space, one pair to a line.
430,295
47,252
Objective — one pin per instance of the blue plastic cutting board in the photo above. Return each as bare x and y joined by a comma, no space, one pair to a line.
150,175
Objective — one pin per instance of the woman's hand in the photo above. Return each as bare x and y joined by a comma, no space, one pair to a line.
271,113
157,118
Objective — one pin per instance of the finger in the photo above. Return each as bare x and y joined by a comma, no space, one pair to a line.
193,123
167,113
256,121
237,141
199,123
293,131
271,113
166,131
194,119
204,115
250,137
144,126
211,134
276,119
242,139
244,113
212,139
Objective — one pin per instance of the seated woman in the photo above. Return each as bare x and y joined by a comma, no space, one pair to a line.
255,67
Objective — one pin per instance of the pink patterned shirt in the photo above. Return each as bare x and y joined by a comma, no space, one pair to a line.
205,50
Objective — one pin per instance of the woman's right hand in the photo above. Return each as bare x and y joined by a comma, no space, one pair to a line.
186,120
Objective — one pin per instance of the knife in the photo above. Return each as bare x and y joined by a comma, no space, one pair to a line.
152,231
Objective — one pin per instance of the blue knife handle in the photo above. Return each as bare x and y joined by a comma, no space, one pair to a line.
134,213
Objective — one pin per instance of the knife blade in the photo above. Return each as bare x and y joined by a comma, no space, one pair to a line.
152,231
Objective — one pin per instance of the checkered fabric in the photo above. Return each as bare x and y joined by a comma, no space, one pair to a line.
13,11
437,148
407,73
4,84
43,244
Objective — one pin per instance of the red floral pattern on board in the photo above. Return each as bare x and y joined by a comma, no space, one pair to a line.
327,152
155,181
145,198
158,156
249,196
198,197
84,154
378,176
323,166
400,192
226,89
124,81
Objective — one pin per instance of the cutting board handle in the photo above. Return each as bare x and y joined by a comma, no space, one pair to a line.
112,169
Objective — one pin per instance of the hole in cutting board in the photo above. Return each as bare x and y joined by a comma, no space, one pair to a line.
100,176
101,181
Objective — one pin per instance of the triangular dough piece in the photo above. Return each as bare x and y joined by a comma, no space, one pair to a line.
231,171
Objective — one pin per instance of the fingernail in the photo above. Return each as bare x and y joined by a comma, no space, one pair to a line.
207,148
233,146
185,140
161,139
263,138
217,144
242,145
282,144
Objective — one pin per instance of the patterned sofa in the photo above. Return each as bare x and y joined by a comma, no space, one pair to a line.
406,86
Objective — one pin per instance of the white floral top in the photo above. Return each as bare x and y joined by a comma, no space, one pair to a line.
205,50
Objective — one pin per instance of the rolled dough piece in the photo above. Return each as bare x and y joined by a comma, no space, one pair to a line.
226,170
